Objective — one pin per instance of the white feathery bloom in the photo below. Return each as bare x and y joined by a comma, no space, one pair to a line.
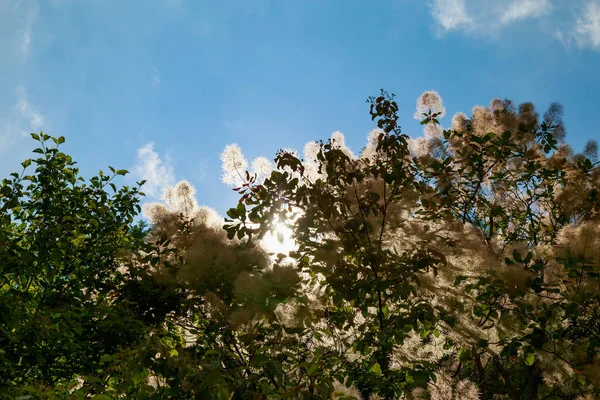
586,397
496,105
168,196
184,198
338,139
286,314
180,199
207,216
232,158
429,100
234,165
483,121
582,240
415,349
445,388
459,122
479,111
466,390
441,389
184,189
340,390
311,151
231,179
433,131
339,142
370,150
311,162
154,211
418,394
418,147
262,167
311,170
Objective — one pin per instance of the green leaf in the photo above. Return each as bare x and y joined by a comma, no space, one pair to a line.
310,371
529,358
517,256
232,213
241,209
107,358
35,136
26,163
376,369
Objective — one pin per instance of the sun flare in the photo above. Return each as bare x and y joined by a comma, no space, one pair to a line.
279,240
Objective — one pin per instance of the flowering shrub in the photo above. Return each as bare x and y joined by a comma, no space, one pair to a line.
461,264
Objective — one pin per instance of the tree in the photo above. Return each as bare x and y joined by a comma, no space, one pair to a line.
480,241
463,264
61,241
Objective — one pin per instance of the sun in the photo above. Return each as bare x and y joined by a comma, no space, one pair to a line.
279,240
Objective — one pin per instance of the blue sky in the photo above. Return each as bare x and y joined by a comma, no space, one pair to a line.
159,87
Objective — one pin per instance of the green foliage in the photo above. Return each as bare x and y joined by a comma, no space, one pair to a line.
507,191
61,240
470,270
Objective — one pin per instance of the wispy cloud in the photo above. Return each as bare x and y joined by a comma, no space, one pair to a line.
156,171
28,20
587,27
524,9
26,41
23,119
584,30
578,21
451,14
485,17
26,111
17,22
155,77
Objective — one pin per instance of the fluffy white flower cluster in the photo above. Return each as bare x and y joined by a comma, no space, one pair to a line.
181,200
234,166
430,100
370,151
447,388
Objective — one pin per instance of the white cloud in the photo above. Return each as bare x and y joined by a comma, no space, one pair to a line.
451,14
156,171
587,29
16,123
17,22
523,9
584,30
23,119
484,16
26,41
27,22
155,78
574,23
26,111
